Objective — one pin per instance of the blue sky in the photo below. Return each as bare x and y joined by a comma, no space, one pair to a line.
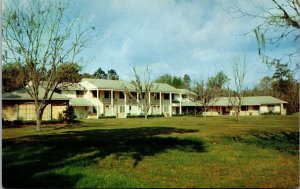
197,38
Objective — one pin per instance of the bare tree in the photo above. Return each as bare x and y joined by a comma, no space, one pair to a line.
275,24
143,85
207,93
41,35
236,96
204,95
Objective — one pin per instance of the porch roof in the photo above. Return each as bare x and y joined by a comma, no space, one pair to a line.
188,103
80,102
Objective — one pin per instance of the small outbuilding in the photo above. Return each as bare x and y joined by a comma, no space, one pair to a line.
19,105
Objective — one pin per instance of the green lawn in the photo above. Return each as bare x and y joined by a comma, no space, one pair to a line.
160,152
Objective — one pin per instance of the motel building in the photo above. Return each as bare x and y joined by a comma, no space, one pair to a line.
96,98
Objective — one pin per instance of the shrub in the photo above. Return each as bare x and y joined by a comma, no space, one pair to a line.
106,117
176,115
60,117
69,114
15,123
270,113
143,116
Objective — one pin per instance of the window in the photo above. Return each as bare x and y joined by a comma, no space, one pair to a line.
173,96
106,94
166,96
244,108
81,93
129,107
184,97
94,109
121,95
94,94
134,94
156,96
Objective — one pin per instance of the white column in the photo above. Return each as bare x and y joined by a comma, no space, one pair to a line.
180,106
125,101
97,103
170,108
138,100
150,111
160,107
112,102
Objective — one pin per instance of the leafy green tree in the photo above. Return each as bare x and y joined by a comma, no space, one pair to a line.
177,82
86,75
264,88
69,72
219,80
13,76
166,78
174,81
100,74
69,114
112,75
186,81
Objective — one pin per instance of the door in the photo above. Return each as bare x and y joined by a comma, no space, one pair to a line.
121,112
107,110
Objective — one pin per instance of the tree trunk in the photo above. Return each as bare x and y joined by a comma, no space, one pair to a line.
146,116
238,116
39,115
38,121
205,113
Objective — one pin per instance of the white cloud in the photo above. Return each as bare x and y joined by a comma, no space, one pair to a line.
185,37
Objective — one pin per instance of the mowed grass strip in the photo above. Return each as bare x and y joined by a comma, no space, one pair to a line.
260,151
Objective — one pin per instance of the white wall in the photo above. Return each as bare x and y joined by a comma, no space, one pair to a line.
263,109
71,94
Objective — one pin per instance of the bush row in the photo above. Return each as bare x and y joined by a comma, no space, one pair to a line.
270,113
29,122
106,117
143,116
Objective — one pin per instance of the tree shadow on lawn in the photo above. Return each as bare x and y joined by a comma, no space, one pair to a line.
32,161
286,142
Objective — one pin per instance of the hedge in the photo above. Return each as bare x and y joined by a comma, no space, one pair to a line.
106,117
29,122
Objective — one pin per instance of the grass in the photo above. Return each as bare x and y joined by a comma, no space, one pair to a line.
160,152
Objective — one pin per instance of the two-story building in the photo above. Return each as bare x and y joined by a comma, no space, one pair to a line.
94,98
99,97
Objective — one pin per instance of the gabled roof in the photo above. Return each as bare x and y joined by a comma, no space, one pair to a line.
70,86
186,91
251,100
121,85
22,94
